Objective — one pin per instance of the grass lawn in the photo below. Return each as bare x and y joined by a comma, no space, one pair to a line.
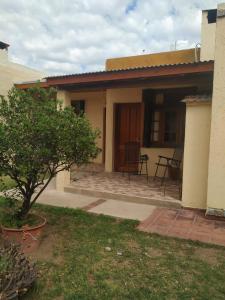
74,263
6,181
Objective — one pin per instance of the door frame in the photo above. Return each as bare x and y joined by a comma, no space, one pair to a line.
115,115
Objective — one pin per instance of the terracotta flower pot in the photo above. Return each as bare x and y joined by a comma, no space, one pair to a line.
27,236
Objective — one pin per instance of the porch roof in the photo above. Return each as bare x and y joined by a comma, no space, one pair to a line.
107,79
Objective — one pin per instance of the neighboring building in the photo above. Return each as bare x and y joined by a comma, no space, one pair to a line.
139,98
11,73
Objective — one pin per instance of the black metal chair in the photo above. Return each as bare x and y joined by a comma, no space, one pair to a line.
176,182
169,163
133,160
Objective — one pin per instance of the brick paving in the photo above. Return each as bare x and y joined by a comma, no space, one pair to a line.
185,224
93,204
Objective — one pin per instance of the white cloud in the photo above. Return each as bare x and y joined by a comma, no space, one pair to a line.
68,36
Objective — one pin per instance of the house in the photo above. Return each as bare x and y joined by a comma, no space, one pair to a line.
11,72
163,100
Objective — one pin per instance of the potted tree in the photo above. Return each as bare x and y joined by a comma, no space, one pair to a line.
38,139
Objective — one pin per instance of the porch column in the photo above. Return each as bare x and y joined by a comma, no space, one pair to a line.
109,133
196,152
63,178
64,98
216,178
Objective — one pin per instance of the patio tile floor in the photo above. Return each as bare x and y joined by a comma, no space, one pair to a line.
116,183
186,224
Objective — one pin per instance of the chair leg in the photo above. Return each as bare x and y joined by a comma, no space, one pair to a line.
140,171
156,171
146,167
164,175
164,190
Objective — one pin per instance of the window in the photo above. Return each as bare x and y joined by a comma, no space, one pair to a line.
155,129
164,117
170,130
212,15
167,126
78,106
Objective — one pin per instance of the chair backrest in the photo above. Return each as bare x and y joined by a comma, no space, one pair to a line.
132,152
178,153
177,156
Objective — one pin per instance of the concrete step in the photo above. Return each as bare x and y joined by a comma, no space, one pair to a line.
120,197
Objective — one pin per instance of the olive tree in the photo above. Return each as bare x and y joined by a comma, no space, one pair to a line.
38,139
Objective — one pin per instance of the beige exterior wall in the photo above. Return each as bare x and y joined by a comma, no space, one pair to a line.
126,95
3,55
11,73
196,155
216,178
208,36
94,107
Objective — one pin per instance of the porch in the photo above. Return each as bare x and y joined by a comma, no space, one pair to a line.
92,180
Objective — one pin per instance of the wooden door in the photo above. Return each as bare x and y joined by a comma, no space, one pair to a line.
127,129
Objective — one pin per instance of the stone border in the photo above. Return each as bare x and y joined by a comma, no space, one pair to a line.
215,212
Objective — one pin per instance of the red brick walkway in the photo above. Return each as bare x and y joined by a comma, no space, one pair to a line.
185,224
93,204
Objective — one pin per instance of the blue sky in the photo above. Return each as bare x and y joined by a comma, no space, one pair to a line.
131,6
69,36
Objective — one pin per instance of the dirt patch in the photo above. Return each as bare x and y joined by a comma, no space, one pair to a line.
133,245
47,250
91,279
207,255
152,252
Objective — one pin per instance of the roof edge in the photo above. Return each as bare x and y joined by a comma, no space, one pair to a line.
125,70
99,78
4,45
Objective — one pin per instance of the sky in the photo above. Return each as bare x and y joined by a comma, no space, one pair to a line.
73,36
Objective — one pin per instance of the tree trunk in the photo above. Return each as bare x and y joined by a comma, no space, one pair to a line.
22,213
